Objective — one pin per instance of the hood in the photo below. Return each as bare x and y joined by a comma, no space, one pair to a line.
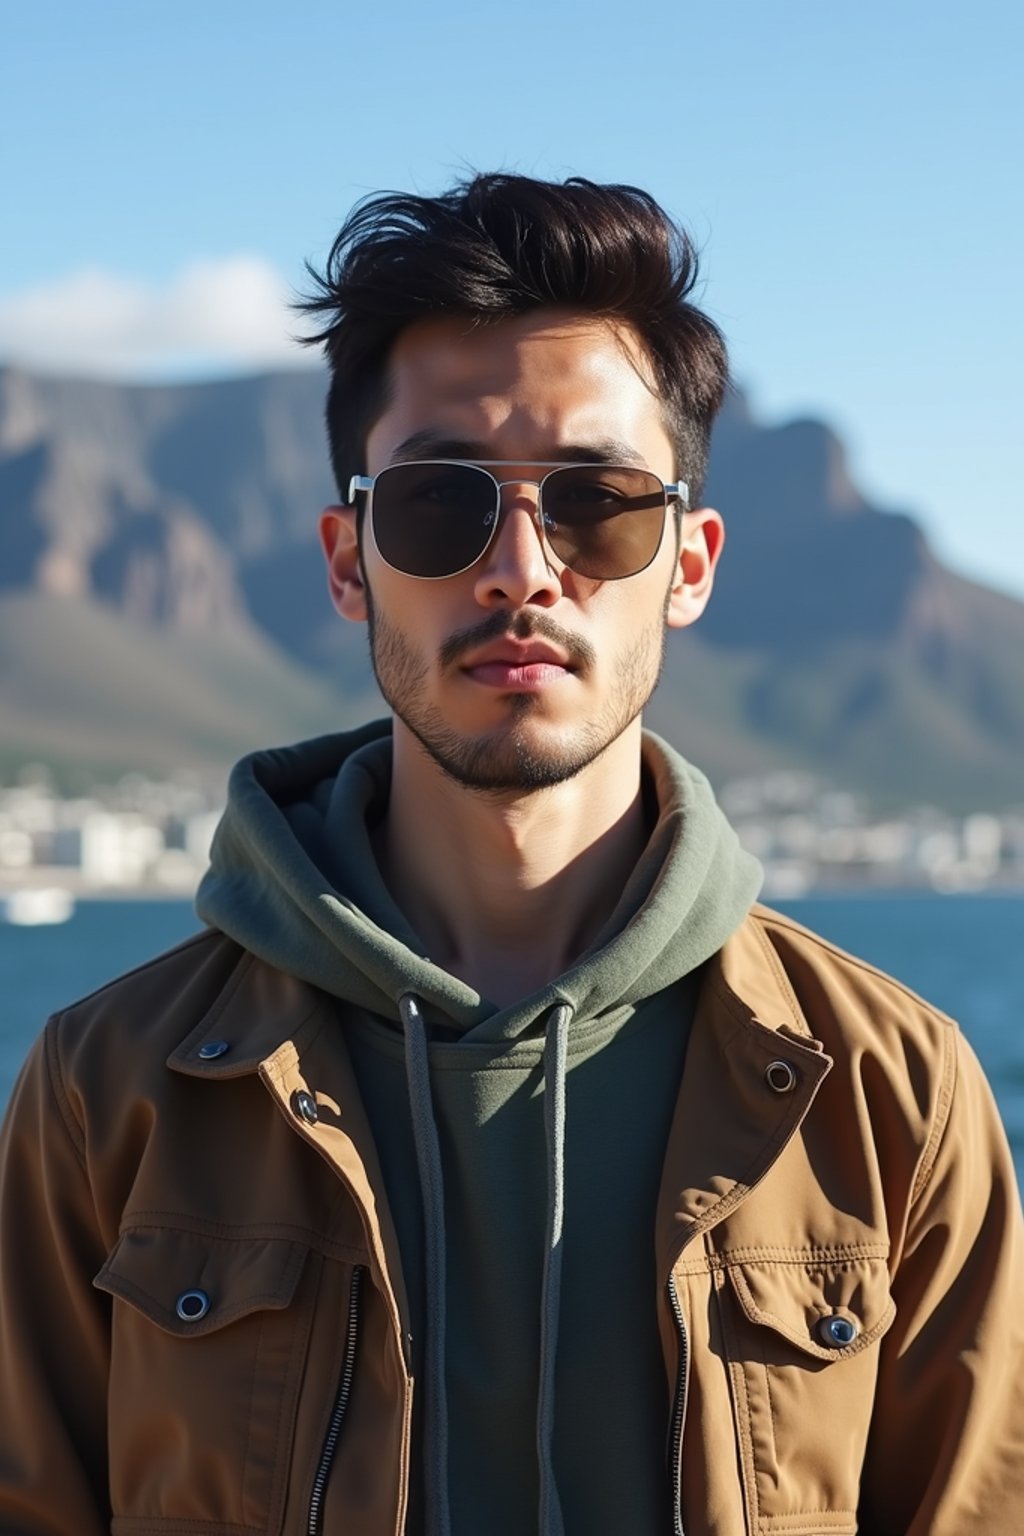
293,879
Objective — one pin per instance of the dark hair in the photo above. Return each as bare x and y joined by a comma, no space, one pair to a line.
497,246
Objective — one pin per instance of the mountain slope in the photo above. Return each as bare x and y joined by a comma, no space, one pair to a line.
92,693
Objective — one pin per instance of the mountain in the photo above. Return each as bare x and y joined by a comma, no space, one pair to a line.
836,640
162,602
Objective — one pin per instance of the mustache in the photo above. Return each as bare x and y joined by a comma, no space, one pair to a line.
523,626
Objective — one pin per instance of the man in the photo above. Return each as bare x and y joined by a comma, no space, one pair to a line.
489,1164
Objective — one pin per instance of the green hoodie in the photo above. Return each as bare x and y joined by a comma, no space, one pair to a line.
521,1147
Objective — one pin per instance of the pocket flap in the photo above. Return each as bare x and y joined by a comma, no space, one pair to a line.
830,1309
189,1284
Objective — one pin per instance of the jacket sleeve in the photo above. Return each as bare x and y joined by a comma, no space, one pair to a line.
946,1452
54,1327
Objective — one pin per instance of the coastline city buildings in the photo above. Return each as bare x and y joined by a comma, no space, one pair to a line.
149,838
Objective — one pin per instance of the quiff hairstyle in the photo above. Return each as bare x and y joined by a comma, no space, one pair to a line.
496,246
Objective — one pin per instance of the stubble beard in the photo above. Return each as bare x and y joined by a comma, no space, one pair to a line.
511,759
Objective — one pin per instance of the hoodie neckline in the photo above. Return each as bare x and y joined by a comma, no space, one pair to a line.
293,878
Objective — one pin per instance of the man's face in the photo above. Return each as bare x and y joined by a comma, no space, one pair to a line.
517,673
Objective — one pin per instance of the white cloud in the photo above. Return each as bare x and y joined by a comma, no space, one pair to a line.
211,315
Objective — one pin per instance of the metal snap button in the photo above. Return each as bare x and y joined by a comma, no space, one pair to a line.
837,1332
192,1305
780,1077
211,1049
304,1105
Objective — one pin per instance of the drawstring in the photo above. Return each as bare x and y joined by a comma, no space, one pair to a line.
431,1177
555,1052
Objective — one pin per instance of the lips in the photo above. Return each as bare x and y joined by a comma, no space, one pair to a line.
511,663
510,652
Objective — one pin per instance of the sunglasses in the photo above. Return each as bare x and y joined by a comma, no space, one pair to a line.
435,518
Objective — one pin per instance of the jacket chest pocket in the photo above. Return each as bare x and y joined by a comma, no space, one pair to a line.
802,1341
207,1351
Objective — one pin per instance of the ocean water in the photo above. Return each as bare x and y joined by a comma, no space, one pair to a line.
964,953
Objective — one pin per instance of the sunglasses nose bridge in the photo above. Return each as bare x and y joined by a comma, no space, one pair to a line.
532,504
520,499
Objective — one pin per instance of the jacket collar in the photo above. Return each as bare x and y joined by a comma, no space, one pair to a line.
734,1116
258,1010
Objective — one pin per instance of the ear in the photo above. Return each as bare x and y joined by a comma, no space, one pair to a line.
340,545
703,535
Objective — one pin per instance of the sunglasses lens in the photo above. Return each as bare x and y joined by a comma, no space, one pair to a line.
603,521
432,519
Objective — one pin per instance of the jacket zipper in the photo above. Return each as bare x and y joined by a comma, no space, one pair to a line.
678,1408
314,1524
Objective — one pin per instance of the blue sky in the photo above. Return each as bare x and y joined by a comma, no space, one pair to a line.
852,174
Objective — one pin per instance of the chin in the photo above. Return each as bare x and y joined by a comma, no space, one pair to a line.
523,756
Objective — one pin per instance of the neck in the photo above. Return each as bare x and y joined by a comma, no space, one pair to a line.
507,891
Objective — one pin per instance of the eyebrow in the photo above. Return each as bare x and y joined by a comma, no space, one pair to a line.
432,444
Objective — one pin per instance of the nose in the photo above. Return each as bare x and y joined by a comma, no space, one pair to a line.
516,568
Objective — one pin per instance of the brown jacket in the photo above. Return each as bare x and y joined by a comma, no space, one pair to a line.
202,1322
